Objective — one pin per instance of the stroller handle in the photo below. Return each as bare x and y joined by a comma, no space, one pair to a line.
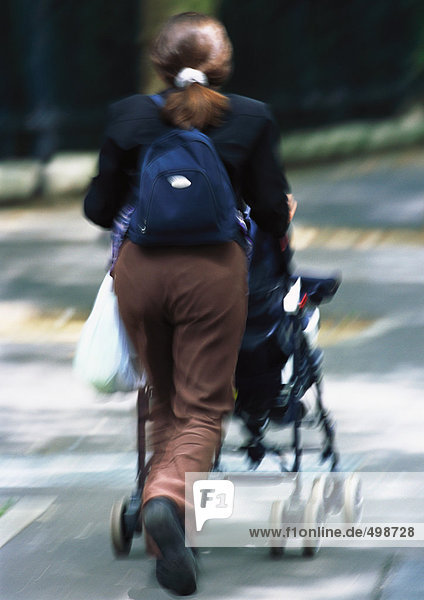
318,289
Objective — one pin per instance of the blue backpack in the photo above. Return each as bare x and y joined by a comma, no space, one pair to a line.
185,196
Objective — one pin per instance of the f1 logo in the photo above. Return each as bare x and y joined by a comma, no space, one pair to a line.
213,499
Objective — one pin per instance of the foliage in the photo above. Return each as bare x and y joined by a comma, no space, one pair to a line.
6,505
316,62
328,61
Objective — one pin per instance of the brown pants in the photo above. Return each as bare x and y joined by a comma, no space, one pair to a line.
185,311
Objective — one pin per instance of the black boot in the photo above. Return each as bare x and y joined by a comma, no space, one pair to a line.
176,570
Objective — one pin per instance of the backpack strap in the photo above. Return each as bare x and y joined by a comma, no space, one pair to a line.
158,100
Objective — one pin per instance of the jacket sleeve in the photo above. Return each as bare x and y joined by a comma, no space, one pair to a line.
264,183
109,189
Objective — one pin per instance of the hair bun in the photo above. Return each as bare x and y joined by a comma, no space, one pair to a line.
187,76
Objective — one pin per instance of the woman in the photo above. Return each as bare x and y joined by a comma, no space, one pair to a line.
185,307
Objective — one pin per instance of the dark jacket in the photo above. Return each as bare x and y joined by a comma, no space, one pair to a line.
246,142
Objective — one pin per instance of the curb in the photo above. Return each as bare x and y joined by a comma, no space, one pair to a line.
67,173
354,139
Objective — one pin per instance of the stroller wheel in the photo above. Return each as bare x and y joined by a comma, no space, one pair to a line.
353,499
121,539
330,489
314,517
276,521
334,503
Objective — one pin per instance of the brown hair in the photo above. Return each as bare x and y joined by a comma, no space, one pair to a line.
199,42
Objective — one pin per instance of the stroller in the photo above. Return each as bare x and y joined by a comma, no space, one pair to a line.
278,362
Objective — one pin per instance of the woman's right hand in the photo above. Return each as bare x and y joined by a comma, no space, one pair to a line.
292,204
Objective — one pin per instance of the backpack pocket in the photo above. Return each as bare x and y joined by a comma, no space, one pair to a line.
181,209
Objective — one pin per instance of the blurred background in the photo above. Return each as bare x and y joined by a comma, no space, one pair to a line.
317,63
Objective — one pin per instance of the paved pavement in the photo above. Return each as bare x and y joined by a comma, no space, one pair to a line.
67,454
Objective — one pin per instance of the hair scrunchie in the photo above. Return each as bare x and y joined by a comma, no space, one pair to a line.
187,76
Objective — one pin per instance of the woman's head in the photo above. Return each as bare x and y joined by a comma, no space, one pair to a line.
199,42
196,41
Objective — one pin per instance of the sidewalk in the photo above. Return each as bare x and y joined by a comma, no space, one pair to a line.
69,173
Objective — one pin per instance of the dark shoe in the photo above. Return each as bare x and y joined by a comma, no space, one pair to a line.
176,570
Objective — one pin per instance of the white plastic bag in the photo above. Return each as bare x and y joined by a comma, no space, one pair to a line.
105,357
